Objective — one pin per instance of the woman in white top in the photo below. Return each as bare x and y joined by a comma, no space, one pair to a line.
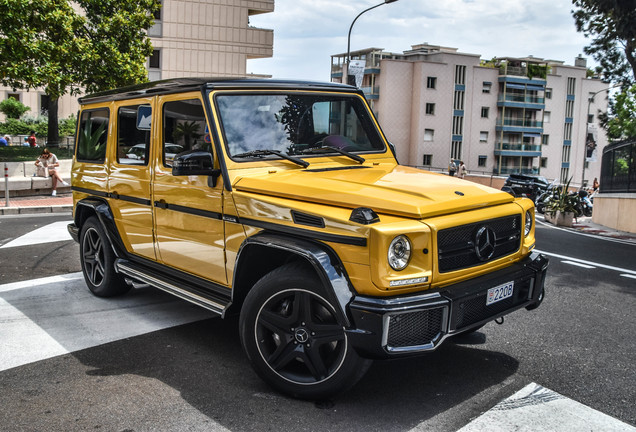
49,161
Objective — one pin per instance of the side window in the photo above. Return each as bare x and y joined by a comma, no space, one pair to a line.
93,134
184,129
133,134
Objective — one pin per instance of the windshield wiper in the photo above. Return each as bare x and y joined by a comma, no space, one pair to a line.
255,153
327,149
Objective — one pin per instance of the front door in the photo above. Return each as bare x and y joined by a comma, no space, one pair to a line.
188,211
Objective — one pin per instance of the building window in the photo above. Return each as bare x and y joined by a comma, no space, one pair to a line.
458,103
456,150
565,173
154,62
15,96
565,154
483,136
460,74
545,139
548,93
544,162
590,118
430,108
569,108
546,116
427,160
428,134
458,125
486,88
571,85
44,104
482,161
431,82
485,111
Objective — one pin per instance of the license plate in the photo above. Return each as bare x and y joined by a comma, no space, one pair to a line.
499,293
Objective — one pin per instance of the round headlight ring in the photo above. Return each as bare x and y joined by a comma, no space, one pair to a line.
528,226
399,253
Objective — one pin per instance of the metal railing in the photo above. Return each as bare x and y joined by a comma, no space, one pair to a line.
518,147
516,170
519,122
508,97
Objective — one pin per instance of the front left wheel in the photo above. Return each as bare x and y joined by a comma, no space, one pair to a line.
294,339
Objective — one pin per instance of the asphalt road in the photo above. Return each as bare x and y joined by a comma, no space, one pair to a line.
194,376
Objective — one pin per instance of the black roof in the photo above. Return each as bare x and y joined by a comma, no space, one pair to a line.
179,85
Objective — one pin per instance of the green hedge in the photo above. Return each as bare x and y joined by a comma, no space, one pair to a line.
41,127
21,154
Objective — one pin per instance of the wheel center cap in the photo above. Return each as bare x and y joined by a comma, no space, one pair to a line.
301,334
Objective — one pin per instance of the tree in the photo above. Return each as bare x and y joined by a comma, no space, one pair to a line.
66,47
610,24
13,108
622,123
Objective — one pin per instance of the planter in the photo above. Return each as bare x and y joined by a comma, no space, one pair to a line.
560,218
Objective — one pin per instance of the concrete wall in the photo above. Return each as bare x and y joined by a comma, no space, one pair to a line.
616,211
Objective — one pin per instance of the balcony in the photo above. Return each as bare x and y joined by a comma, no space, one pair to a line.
518,147
371,92
520,123
515,170
512,97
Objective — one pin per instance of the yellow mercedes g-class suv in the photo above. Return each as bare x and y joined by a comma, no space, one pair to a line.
282,202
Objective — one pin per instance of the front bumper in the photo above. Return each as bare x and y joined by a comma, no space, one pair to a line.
389,327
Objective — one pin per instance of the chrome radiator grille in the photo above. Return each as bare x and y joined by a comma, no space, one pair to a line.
478,243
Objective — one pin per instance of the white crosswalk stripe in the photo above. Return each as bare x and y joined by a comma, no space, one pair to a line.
54,232
538,409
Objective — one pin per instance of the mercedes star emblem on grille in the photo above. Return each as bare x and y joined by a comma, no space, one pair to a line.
484,243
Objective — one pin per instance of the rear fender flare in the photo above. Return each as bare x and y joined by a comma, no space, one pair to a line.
99,207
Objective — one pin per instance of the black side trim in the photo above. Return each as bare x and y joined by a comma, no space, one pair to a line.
189,210
300,232
114,195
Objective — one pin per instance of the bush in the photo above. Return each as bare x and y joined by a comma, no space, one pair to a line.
39,124
12,108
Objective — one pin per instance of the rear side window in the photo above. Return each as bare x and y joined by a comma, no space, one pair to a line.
133,134
184,129
92,137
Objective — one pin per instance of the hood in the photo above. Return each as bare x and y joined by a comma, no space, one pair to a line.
388,189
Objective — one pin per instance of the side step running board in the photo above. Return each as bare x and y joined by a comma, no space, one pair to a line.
186,292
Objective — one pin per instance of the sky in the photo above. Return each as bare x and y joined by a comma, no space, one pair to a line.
308,32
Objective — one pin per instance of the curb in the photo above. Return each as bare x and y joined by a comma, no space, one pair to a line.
36,209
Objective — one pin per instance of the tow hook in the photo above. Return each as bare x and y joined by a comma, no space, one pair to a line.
500,321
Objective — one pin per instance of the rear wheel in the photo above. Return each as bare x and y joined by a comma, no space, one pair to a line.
292,335
98,261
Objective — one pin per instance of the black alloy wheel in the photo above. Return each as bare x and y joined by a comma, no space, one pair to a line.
293,336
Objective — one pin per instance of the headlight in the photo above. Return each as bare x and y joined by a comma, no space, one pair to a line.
399,253
528,226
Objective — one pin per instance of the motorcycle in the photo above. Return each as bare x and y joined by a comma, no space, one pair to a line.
543,198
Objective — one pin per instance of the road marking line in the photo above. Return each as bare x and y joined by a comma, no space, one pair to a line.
538,409
629,276
54,232
600,237
41,281
578,264
567,258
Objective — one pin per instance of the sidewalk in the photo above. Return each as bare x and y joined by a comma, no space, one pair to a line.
61,203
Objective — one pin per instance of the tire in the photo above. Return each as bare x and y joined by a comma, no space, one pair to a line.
293,338
98,261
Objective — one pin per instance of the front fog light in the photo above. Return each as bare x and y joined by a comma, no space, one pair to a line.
399,252
528,226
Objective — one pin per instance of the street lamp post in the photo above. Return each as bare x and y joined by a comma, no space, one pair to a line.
351,28
589,103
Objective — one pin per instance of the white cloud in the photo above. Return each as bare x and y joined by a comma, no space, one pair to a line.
308,32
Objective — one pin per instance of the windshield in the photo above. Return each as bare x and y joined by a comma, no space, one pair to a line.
293,124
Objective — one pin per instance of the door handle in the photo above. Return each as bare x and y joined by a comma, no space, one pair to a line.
161,204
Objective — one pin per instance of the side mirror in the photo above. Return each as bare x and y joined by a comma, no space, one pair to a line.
392,148
195,163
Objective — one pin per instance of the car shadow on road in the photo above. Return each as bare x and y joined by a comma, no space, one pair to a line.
204,362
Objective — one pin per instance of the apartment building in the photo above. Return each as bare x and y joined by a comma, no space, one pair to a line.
505,115
190,38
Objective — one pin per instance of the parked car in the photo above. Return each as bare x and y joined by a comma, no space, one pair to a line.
297,218
530,186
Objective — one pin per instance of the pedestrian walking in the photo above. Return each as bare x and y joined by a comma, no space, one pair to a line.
461,171
452,168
